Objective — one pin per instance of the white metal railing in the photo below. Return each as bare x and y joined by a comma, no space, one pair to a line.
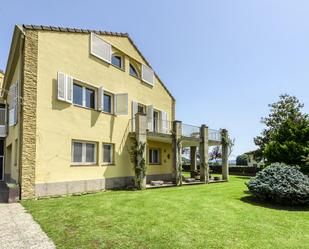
190,131
214,135
154,125
166,127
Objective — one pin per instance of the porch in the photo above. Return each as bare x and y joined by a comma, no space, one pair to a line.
179,136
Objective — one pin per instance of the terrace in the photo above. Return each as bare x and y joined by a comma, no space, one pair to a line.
179,135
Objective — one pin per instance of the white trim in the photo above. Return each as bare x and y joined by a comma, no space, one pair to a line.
83,162
111,154
159,156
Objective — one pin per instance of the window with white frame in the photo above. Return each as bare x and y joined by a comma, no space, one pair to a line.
108,153
154,156
108,102
84,152
83,96
117,61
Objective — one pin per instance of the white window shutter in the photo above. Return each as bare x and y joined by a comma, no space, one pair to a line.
61,86
69,89
121,104
164,122
13,104
101,99
150,117
147,75
101,49
134,111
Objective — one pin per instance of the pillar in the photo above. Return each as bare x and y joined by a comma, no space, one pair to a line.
203,149
177,146
225,154
141,137
193,160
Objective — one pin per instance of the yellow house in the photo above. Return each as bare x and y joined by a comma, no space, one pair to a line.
75,101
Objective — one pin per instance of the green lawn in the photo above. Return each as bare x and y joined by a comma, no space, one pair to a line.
220,215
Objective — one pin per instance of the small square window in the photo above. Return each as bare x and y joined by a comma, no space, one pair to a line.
154,156
108,153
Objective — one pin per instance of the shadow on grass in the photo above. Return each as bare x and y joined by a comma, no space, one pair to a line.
242,177
250,199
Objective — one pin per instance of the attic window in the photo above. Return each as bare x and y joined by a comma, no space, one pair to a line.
133,71
117,61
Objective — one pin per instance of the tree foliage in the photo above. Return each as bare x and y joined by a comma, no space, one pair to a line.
286,136
242,159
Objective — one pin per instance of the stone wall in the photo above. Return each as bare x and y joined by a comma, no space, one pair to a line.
28,115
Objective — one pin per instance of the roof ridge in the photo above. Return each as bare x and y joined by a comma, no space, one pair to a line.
72,30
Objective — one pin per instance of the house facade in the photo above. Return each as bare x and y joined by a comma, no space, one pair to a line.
74,102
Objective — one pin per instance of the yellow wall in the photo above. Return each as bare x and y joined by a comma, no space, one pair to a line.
59,122
166,165
11,165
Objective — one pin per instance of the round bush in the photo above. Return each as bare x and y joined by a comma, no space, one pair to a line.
282,184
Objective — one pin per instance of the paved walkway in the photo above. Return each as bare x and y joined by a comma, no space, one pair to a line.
19,230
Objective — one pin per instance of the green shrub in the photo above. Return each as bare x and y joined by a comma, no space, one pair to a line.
282,184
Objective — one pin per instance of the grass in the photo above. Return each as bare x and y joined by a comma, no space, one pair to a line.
220,215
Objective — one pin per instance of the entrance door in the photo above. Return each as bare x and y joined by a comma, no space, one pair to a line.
1,159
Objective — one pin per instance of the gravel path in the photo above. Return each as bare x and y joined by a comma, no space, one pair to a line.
19,230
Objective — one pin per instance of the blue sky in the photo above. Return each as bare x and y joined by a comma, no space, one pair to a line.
223,60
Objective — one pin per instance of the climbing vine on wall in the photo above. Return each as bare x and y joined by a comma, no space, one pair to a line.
138,160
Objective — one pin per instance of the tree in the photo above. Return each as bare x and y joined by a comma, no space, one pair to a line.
286,137
242,159
215,154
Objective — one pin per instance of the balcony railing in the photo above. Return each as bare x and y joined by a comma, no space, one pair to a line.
214,135
190,131
166,127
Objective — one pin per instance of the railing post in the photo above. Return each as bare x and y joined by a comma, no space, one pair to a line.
177,146
193,160
141,137
225,154
203,149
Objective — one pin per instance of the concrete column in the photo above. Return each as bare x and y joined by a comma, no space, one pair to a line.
177,146
225,155
193,158
203,149
141,137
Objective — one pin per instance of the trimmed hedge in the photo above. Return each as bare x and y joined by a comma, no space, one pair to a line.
281,184
236,170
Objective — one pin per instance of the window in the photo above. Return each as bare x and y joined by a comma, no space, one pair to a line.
77,95
141,109
107,106
155,121
83,152
133,71
117,61
108,153
83,96
154,156
89,98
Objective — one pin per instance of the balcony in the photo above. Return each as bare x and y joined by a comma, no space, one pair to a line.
158,129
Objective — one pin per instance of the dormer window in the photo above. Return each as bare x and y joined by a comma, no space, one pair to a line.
133,71
117,61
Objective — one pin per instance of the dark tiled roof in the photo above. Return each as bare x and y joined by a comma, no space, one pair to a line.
88,31
73,30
